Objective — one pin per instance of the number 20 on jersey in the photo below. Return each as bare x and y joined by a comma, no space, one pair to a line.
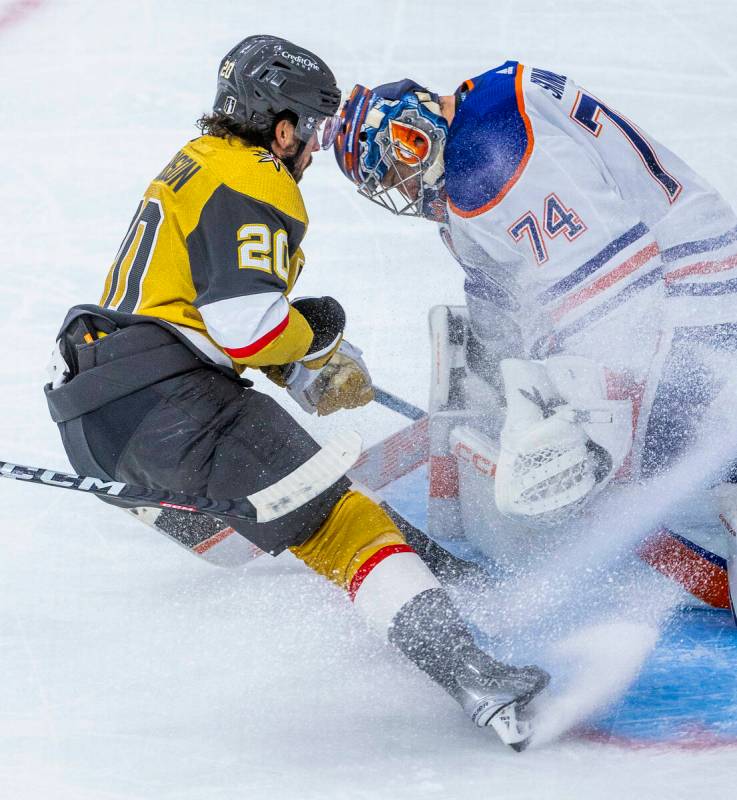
258,249
557,219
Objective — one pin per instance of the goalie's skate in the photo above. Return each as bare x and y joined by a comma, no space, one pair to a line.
496,695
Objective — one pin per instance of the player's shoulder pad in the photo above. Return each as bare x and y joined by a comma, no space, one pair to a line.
490,141
251,171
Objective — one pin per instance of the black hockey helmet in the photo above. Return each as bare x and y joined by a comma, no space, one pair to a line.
265,75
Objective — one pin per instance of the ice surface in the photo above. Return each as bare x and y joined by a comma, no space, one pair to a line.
129,668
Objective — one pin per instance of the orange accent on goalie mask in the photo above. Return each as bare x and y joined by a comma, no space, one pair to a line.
410,144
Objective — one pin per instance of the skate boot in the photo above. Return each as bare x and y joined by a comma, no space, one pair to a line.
495,694
430,632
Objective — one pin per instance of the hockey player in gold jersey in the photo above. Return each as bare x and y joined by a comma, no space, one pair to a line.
223,202
153,387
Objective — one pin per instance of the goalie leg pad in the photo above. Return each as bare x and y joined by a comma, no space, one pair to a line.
728,518
447,336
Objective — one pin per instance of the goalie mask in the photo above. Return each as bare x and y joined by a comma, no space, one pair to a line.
389,141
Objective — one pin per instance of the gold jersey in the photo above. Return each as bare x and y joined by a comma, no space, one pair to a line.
214,249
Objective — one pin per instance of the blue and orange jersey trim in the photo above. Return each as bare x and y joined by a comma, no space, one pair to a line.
490,141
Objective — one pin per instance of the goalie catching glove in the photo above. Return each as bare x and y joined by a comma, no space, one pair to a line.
563,439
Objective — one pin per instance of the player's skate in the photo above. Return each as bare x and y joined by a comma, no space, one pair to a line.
431,633
495,694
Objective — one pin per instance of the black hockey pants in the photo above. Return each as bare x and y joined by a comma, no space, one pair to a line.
198,431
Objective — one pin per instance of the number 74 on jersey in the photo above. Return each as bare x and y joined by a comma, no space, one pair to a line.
557,219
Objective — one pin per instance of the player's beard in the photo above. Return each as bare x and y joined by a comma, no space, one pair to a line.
290,162
295,171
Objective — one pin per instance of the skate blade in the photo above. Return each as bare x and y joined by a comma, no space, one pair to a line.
510,728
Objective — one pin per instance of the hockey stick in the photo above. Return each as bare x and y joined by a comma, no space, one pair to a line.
389,400
305,483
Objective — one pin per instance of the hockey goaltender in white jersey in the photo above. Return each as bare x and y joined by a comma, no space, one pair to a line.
599,340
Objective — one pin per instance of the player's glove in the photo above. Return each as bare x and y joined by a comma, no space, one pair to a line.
344,382
326,318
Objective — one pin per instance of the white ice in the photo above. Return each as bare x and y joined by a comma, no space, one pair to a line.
129,669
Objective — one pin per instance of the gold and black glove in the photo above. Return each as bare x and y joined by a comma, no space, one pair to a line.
344,382
326,318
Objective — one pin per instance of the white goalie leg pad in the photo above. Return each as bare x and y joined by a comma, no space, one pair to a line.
447,336
509,542
389,586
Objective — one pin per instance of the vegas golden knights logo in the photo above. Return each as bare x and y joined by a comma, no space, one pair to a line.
227,69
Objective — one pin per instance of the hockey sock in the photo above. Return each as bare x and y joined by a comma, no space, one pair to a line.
361,549
429,631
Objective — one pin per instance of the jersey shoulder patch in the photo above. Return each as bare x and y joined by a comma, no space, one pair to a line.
489,143
250,171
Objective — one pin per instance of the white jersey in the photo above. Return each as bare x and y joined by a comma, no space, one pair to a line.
580,234
587,235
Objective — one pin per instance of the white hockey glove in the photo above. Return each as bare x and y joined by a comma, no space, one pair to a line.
563,439
344,382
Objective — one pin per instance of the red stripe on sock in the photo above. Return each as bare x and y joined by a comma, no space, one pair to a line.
370,563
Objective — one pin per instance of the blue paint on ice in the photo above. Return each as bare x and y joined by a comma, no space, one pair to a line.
686,692
409,496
